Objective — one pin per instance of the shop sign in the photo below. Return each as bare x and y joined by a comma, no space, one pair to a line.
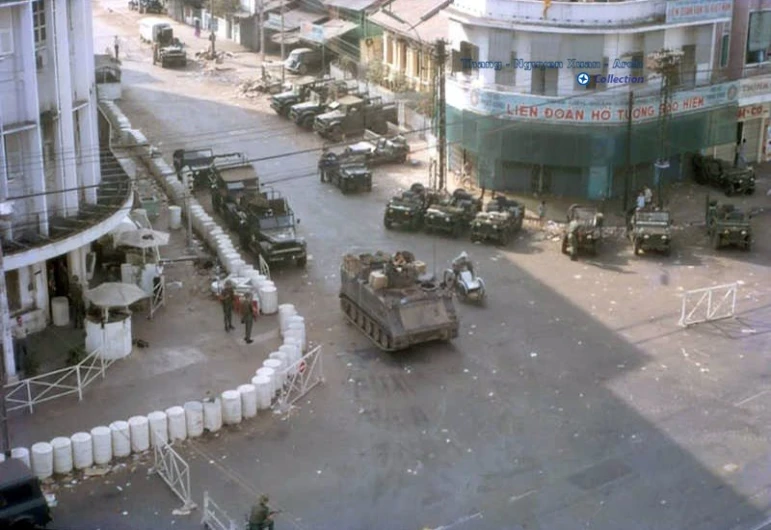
599,109
312,32
752,112
683,11
755,90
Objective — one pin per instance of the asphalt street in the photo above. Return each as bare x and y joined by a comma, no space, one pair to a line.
517,424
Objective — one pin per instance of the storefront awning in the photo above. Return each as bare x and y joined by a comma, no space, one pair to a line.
290,37
242,14
321,33
292,20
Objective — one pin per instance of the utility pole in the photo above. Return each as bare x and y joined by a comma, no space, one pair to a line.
5,316
441,79
283,46
666,63
212,35
262,33
629,109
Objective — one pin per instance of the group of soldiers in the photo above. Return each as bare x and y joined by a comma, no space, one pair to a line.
248,310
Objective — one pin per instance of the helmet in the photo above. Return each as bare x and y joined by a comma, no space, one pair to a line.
264,498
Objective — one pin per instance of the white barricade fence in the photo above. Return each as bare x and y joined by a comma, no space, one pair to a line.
710,303
158,298
264,268
174,471
214,517
302,376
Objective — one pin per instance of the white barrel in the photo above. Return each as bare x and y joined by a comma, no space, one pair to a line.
297,336
140,434
127,273
101,437
282,358
278,369
300,330
292,352
159,428
269,299
284,312
194,418
211,237
175,217
256,279
2,458
230,257
238,266
82,450
223,251
60,309
263,385
62,455
21,453
247,271
248,395
270,373
121,439
42,460
177,425
231,407
212,415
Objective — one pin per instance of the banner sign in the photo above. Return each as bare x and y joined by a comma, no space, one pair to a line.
602,108
312,32
683,11
753,90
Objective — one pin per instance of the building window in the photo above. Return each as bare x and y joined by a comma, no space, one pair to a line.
506,76
725,47
638,65
544,81
39,23
6,36
14,291
468,54
14,168
759,37
390,51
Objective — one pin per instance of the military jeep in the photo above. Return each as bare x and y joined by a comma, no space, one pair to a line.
728,226
650,230
583,231
350,177
408,209
499,222
712,171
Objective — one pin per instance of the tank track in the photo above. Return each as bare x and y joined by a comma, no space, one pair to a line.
373,330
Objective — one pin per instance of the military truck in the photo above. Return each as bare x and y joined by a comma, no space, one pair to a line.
408,209
23,505
197,166
721,174
147,6
378,150
168,50
268,228
728,226
452,214
583,231
301,92
352,116
394,302
322,99
349,176
650,231
499,222
233,183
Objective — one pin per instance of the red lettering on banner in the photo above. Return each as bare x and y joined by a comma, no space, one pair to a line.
754,111
601,115
523,111
695,102
564,114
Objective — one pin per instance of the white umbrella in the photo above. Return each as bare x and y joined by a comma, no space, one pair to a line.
115,294
142,238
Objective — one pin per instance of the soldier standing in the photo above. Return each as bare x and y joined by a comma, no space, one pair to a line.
227,297
116,45
77,303
261,517
19,345
248,317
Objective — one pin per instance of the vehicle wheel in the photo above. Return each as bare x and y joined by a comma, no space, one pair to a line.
750,191
593,248
504,239
637,248
336,134
368,187
729,191
387,224
668,251
302,69
747,246
716,241
574,254
564,245
307,122
403,159
301,262
455,232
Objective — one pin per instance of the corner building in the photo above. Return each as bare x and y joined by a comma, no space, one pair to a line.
533,129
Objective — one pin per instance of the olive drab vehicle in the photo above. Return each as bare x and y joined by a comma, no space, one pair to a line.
377,150
650,231
268,228
394,302
583,231
723,175
349,176
500,221
321,99
198,163
408,209
232,184
351,116
302,89
452,214
728,226
22,503
168,51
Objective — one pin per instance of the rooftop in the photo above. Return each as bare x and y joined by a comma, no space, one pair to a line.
353,5
400,15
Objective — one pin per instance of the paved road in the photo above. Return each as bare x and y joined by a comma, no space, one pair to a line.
538,416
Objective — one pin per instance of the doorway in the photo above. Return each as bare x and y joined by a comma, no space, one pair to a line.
58,279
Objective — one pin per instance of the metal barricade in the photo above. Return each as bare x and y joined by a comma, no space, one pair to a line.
214,517
264,268
174,471
158,299
708,304
302,377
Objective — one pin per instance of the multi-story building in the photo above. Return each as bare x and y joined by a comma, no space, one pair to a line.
522,116
51,161
749,60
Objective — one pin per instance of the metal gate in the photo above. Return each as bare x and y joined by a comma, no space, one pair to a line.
174,471
158,298
302,377
264,268
214,517
710,303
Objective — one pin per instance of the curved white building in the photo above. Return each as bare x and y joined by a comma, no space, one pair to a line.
51,161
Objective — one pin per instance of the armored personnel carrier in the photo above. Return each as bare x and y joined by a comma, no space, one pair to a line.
408,209
649,230
728,226
393,302
583,231
723,175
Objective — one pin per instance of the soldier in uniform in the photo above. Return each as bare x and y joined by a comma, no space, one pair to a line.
261,516
76,302
248,317
227,297
327,161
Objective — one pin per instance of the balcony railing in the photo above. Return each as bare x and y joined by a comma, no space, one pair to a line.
570,14
113,191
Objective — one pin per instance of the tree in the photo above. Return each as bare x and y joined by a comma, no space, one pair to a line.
224,8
